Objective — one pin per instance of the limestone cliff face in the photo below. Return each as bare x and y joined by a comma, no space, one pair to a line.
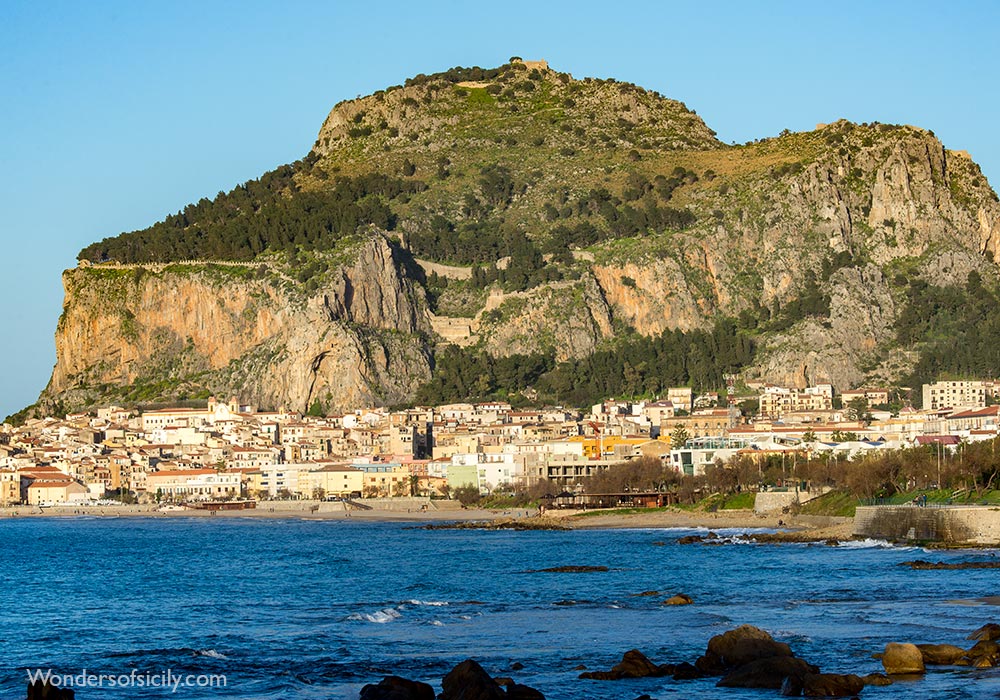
568,319
356,339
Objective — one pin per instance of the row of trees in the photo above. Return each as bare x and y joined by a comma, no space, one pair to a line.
270,213
970,471
645,366
638,366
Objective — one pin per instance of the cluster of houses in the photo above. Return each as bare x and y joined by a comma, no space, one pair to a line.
226,451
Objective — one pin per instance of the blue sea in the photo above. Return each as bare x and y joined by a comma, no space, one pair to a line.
316,609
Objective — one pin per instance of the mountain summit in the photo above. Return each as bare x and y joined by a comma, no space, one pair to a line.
594,233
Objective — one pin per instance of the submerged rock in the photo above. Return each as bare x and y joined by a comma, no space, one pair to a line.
876,679
690,539
634,664
569,570
678,599
920,564
533,523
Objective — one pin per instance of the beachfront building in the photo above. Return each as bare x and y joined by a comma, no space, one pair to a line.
10,487
192,485
341,480
54,489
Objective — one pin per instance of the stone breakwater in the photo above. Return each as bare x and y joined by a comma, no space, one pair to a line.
952,525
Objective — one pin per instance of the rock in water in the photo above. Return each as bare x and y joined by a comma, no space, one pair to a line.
634,664
396,688
984,654
47,691
901,659
876,679
469,681
737,647
831,685
988,633
678,599
516,691
767,673
685,672
940,654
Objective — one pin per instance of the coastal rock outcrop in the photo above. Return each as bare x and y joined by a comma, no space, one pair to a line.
353,340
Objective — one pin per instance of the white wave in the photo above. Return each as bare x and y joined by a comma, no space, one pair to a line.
869,543
212,654
379,616
437,623
432,603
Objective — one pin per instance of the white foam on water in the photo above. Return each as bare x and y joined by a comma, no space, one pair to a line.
212,654
869,543
379,616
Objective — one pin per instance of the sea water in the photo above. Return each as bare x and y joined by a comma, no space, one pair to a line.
316,609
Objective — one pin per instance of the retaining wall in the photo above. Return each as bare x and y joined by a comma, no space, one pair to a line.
952,525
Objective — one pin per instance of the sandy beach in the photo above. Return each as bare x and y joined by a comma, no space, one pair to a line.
308,510
801,527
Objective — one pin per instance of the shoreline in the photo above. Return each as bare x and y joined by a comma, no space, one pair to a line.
298,510
785,528
448,511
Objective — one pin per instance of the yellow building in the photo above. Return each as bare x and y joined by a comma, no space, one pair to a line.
53,490
387,480
10,487
334,480
609,446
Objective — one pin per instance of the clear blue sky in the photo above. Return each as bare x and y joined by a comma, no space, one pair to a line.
115,114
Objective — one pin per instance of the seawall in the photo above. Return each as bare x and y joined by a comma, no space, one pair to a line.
950,524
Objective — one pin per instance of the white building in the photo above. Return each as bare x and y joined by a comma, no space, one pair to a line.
193,484
967,394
